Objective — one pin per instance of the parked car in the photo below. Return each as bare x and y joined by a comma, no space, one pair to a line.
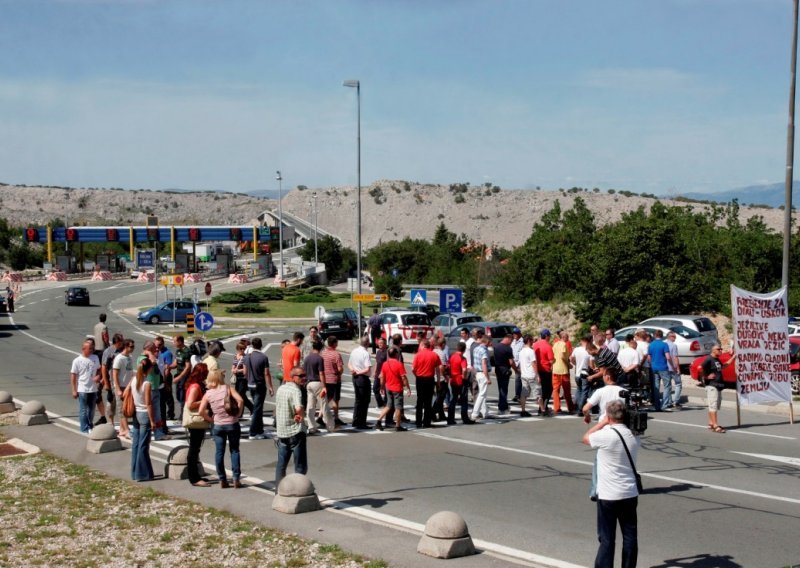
3,306
406,323
446,322
794,329
691,343
339,322
700,324
76,295
495,330
167,312
729,372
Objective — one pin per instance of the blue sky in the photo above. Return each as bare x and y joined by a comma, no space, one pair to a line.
662,96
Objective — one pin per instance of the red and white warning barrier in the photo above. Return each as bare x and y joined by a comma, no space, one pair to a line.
12,277
146,277
193,277
101,275
59,276
237,279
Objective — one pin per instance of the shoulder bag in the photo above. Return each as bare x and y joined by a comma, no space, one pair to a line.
193,420
128,405
639,486
231,406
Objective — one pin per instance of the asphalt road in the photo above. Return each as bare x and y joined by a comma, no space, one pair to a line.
521,484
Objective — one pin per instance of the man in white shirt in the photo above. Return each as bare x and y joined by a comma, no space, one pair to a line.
630,360
617,493
611,341
85,376
581,361
517,343
602,396
529,381
360,365
674,371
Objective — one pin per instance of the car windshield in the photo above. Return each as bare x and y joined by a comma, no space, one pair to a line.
330,316
415,319
704,324
469,319
500,331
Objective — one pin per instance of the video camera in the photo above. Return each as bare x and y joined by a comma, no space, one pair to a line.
635,418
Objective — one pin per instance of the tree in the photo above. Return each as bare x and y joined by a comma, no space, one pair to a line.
339,261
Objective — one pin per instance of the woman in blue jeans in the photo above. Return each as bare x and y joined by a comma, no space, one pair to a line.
143,422
226,426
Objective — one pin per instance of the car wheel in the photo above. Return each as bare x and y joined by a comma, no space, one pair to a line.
796,384
154,319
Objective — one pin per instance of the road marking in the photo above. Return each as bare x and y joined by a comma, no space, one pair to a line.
732,431
582,462
782,459
22,331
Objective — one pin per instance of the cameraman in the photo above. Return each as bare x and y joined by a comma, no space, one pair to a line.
617,495
610,392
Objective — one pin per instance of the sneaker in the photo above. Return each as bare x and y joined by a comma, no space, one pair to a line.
321,422
525,414
101,420
338,422
468,421
379,425
261,436
400,429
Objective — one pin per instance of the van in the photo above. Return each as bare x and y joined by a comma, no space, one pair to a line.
703,325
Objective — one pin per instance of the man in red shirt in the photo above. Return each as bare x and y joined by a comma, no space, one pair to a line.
427,369
393,379
544,368
334,367
290,354
459,388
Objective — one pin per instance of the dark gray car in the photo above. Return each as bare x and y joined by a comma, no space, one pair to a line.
494,329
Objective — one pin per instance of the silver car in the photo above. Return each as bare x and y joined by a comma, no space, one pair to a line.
691,344
701,324
446,322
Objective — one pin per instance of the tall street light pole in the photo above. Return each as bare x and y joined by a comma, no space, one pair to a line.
280,223
357,85
787,211
316,257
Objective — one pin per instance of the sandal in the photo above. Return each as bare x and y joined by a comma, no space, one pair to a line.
719,429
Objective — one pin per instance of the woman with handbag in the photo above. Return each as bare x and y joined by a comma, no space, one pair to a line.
144,421
194,423
226,406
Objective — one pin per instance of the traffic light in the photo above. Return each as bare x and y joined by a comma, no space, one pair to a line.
31,235
72,235
236,234
112,235
152,234
194,234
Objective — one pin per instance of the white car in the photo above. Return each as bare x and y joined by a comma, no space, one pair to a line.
406,323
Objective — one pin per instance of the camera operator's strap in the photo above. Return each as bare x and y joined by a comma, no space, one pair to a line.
630,459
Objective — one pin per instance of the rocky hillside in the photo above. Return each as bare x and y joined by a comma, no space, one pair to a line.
390,209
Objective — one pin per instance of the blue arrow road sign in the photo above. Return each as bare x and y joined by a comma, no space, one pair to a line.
450,300
203,321
419,297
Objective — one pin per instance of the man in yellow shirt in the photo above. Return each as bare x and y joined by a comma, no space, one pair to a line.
562,349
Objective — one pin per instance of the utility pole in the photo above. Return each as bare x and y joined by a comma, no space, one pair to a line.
787,212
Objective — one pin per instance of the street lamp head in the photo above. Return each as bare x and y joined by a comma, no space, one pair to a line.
352,83
278,177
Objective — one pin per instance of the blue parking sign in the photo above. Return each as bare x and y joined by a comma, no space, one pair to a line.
450,300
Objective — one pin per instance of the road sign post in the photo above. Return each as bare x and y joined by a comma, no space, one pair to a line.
370,297
450,300
204,321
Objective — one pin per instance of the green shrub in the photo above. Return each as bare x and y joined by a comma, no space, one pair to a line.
246,308
309,298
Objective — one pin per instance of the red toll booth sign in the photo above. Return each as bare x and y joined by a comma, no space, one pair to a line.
208,288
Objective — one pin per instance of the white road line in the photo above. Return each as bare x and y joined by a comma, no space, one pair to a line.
643,474
782,459
732,431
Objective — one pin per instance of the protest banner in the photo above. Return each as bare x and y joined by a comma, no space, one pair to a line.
761,340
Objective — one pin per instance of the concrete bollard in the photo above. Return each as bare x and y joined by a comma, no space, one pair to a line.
6,403
177,467
296,494
102,439
33,413
446,536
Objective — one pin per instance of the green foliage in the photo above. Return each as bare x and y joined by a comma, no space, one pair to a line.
317,297
339,261
253,295
246,308
388,284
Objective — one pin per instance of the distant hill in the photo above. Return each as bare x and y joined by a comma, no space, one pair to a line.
771,195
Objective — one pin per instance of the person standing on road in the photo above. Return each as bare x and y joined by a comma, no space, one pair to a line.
150,351
443,370
239,375
121,374
215,349
308,342
658,353
85,378
582,362
374,326
334,367
674,370
630,361
144,420
611,341
504,365
314,367
290,425
711,373
226,426
562,353
290,354
544,368
166,362
9,299
380,359
181,369
393,380
531,388
517,344
106,362
425,368
360,365
617,494
100,333
259,383
458,386
480,358
195,388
